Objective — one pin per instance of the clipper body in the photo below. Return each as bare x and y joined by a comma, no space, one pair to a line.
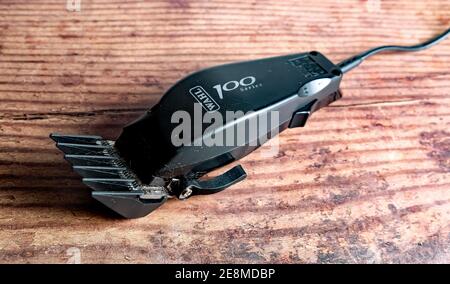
137,173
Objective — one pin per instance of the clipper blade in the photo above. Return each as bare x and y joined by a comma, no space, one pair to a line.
105,172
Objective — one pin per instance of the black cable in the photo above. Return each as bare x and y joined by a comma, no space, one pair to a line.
355,60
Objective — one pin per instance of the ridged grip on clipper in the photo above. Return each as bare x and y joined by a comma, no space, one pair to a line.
113,184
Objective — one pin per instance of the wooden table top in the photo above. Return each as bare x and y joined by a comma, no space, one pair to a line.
367,180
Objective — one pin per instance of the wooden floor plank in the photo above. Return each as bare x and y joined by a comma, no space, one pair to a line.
366,181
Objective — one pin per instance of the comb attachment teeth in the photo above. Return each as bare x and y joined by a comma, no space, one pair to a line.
100,171
112,182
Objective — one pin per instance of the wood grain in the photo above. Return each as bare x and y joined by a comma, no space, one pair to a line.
367,181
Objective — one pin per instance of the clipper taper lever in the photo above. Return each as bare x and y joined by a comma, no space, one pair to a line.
189,132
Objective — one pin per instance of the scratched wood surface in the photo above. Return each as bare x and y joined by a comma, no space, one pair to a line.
366,181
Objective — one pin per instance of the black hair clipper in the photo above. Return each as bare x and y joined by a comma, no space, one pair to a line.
147,164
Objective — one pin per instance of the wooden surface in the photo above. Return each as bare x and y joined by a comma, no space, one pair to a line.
367,180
